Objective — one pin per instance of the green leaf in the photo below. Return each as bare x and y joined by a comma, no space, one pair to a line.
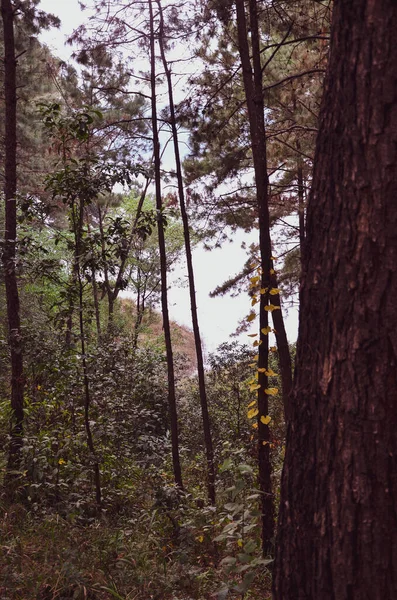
245,584
250,547
227,464
222,593
244,558
245,468
229,560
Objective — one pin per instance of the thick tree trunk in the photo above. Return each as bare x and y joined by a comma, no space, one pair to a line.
9,250
338,526
163,266
192,290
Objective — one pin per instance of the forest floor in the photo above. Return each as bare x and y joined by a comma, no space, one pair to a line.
50,558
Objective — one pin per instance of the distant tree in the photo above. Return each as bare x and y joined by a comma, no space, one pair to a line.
163,256
337,527
189,260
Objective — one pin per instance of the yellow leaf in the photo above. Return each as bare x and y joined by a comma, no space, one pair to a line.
263,290
252,413
201,539
271,391
252,365
272,271
255,425
264,443
265,420
253,388
240,543
39,387
268,372
271,307
61,461
256,356
266,330
251,404
254,301
257,343
274,291
273,349
252,334
271,373
251,317
273,257
255,279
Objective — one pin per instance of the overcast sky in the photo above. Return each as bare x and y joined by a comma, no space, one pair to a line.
218,317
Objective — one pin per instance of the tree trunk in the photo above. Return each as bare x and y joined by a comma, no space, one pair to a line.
337,535
95,295
301,199
163,265
140,308
108,288
96,303
9,250
257,132
252,78
77,219
192,290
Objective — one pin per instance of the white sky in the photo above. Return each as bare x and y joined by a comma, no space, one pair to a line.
218,317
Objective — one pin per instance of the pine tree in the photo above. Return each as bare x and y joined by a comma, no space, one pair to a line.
337,525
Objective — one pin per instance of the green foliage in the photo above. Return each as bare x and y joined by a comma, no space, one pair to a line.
240,521
87,231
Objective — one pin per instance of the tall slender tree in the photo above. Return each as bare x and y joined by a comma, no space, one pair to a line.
10,239
252,78
163,260
337,528
189,261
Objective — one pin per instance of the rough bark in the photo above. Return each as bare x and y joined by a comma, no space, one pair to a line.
338,522
163,265
192,289
9,249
